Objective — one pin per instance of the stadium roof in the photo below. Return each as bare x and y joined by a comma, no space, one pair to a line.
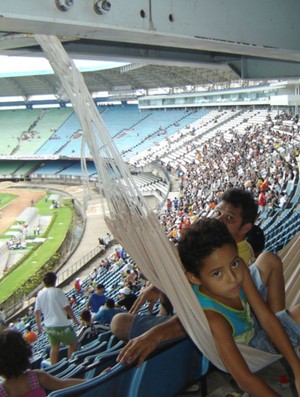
168,44
118,80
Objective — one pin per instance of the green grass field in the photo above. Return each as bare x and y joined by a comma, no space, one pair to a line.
6,198
42,254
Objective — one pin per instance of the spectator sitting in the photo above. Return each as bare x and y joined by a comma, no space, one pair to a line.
282,200
30,312
73,300
94,273
77,286
107,312
96,299
30,336
90,330
131,277
114,266
127,298
20,325
19,380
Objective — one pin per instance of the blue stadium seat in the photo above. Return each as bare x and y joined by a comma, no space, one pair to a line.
164,374
79,356
169,372
36,361
112,384
94,357
101,362
66,370
58,367
77,372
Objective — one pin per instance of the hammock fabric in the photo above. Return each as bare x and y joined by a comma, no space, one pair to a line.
133,224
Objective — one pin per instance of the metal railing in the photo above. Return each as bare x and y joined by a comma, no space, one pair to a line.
65,275
78,265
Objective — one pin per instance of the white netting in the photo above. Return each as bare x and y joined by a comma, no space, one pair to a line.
133,224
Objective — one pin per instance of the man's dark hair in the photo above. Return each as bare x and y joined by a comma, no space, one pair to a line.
256,239
50,279
15,353
100,286
110,303
240,198
200,240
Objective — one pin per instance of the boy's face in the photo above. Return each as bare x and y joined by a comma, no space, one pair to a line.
232,218
221,274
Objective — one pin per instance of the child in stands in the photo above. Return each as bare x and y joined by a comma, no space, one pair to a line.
19,380
235,310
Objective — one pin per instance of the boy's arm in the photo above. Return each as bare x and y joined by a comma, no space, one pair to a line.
139,348
272,326
233,359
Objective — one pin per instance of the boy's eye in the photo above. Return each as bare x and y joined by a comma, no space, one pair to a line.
217,274
236,263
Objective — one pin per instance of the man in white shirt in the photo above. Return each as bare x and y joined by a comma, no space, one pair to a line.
55,307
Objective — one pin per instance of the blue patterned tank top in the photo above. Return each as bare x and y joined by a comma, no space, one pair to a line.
240,320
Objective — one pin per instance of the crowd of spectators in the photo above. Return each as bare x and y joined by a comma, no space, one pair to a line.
251,160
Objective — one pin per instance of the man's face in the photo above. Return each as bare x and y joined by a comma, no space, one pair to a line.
232,218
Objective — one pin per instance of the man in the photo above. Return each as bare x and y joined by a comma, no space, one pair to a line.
127,298
55,307
107,312
238,211
96,299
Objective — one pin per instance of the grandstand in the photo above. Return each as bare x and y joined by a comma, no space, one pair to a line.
183,151
191,145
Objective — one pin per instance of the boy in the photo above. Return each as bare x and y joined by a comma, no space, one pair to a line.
226,292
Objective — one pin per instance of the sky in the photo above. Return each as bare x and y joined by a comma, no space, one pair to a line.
28,66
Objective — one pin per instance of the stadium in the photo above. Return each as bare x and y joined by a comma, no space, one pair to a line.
182,113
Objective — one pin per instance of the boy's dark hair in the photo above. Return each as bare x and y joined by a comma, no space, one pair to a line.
240,198
15,353
100,286
85,315
200,240
110,303
49,279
